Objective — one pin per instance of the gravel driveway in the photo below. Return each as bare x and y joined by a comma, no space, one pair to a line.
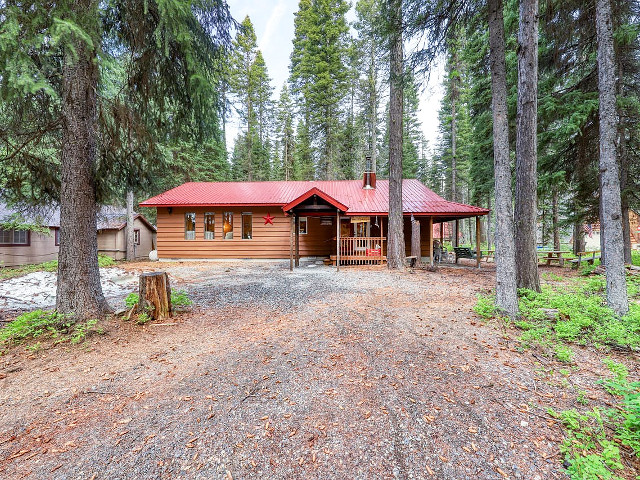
361,374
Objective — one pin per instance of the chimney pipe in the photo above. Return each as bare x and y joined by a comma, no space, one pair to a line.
369,177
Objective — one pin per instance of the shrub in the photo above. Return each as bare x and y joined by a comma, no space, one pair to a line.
132,300
180,299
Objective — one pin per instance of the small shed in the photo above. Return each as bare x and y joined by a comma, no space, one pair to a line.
112,240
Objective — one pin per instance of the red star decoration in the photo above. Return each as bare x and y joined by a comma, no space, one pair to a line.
268,219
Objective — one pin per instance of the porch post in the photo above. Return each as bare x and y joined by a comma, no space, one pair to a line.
441,233
416,240
431,241
292,226
457,232
455,238
297,227
337,240
478,239
381,242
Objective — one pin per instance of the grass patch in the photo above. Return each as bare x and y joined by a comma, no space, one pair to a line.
47,324
594,437
51,266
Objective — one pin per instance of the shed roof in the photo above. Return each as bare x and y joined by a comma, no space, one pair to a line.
416,198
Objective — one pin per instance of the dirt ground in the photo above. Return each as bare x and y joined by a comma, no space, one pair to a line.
360,374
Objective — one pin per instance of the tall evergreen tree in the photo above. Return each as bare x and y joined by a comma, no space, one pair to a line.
251,85
526,205
506,290
54,55
611,214
319,76
396,245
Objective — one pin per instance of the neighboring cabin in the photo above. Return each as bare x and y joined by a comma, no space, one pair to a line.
293,219
20,247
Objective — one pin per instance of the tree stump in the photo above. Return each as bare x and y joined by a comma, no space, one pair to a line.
155,295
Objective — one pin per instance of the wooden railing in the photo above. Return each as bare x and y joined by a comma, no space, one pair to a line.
361,250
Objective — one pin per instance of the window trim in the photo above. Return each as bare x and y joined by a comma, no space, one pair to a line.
56,236
242,215
204,225
13,244
306,221
195,220
136,231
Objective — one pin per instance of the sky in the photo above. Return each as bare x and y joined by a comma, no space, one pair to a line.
273,24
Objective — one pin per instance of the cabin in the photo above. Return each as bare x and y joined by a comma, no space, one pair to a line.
23,247
112,240
344,221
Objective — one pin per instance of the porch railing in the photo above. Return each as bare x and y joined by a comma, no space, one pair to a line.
362,250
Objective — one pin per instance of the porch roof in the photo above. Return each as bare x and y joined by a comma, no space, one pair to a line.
417,199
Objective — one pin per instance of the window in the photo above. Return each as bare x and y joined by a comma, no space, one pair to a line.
227,225
247,226
136,236
190,226
56,235
14,237
209,226
302,228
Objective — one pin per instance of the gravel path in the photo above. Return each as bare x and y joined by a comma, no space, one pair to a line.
360,374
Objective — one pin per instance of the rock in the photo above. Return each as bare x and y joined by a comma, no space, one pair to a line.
153,255
551,313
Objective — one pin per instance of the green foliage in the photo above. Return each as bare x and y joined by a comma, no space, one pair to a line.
486,306
50,266
143,318
17,222
589,449
12,272
132,300
105,261
582,315
51,324
563,353
180,299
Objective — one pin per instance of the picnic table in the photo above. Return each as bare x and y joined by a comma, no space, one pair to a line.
553,256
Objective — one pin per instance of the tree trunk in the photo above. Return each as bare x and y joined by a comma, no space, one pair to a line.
578,238
155,295
526,206
395,246
489,236
415,240
555,219
131,249
506,292
609,175
454,132
79,291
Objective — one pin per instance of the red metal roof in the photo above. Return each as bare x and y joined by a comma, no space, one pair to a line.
416,198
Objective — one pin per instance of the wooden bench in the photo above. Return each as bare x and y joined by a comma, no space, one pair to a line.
591,258
464,252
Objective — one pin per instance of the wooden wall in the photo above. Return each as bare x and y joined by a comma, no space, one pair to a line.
269,241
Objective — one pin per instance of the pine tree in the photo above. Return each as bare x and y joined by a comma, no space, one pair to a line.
285,135
251,85
526,205
506,290
396,245
54,55
319,76
611,214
